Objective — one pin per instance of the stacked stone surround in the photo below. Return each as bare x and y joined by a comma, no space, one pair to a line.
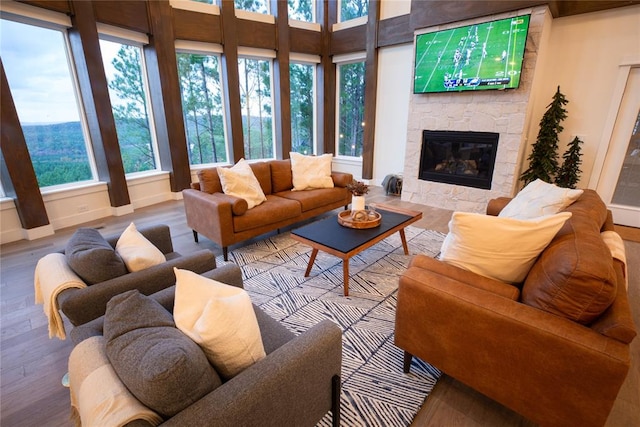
504,112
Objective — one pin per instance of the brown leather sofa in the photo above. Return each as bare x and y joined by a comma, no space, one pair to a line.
540,348
225,220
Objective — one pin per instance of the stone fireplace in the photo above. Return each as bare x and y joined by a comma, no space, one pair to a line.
505,113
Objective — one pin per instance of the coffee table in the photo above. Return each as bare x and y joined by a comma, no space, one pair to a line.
329,236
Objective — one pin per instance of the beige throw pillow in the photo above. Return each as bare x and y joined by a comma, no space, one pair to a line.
500,248
539,198
219,318
311,172
239,181
137,251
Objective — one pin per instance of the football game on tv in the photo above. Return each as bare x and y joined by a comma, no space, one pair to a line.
474,57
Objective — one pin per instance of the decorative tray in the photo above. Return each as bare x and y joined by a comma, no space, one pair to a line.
368,219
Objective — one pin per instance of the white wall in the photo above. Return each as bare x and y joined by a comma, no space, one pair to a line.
583,58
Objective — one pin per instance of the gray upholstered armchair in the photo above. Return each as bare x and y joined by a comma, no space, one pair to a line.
85,304
295,385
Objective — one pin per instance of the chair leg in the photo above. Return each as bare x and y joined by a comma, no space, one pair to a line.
195,235
406,367
225,253
335,401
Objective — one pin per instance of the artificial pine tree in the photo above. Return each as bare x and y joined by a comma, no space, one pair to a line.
543,160
569,172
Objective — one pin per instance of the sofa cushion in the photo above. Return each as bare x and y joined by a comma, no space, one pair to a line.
574,277
160,365
500,248
209,180
137,251
311,171
274,210
281,175
220,318
262,172
313,199
239,181
92,258
539,198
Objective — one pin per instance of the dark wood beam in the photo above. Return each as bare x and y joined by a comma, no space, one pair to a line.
327,13
231,81
18,176
62,6
201,27
353,39
257,34
85,46
129,14
282,82
396,30
370,90
305,41
162,70
427,13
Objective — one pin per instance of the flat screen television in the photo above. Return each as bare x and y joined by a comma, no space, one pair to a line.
474,57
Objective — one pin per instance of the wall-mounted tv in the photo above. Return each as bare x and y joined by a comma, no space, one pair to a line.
474,57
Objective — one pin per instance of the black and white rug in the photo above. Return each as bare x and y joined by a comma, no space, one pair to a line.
375,391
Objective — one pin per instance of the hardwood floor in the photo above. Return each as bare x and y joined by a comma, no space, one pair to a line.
32,365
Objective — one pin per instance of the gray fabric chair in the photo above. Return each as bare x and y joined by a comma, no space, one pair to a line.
295,385
83,305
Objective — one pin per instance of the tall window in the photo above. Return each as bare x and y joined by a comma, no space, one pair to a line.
37,64
255,101
302,10
351,9
350,109
302,77
260,6
202,107
128,93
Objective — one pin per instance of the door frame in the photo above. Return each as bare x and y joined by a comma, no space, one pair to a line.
598,178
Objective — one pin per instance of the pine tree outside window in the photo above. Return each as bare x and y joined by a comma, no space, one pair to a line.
38,66
256,105
259,6
350,112
128,92
352,9
202,107
302,10
302,78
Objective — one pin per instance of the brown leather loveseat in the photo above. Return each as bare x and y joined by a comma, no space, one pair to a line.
225,220
544,348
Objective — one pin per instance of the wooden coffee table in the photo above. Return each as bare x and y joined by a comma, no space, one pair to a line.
329,236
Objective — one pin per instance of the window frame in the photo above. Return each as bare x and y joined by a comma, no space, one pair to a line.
210,49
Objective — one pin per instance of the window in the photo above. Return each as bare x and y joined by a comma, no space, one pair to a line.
128,93
302,78
351,9
350,109
202,107
302,10
255,102
259,6
37,64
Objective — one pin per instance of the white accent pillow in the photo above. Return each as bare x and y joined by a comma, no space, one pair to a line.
539,198
500,248
137,251
240,181
310,172
220,319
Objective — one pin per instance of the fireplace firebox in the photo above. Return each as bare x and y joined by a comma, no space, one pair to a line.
457,157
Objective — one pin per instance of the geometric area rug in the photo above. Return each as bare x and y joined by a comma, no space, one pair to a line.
375,391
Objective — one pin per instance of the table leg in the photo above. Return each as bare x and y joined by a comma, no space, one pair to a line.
404,242
345,273
312,259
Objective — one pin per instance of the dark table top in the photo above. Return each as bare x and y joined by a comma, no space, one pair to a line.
330,233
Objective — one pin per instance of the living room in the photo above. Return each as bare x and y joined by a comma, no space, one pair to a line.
609,35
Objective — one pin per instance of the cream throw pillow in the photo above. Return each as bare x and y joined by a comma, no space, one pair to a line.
240,181
220,318
311,171
539,198
500,248
137,251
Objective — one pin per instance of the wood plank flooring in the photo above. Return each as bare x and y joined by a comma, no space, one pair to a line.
32,365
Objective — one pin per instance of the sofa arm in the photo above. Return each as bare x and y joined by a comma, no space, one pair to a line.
227,273
83,305
341,179
496,205
538,364
209,214
290,387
